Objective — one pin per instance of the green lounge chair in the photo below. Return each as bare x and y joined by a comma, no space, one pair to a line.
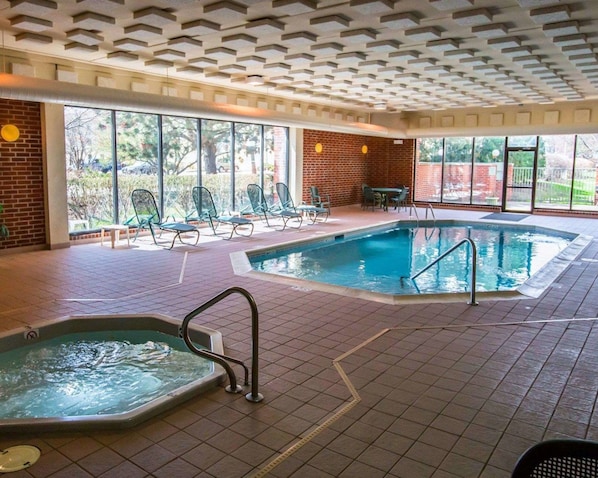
260,208
206,211
148,217
311,211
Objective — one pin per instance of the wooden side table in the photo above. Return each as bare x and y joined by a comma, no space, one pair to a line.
115,230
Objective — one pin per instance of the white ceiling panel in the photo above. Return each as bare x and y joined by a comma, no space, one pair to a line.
383,48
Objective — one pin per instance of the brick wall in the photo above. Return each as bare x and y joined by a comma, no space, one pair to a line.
21,176
341,168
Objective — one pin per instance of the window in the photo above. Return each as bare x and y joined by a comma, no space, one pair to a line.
248,159
111,153
179,165
137,157
428,169
457,171
276,149
217,161
472,170
488,167
585,177
89,167
554,174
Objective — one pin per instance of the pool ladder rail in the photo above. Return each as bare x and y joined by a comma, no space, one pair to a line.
413,208
474,265
223,360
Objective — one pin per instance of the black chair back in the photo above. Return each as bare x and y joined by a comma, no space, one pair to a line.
559,458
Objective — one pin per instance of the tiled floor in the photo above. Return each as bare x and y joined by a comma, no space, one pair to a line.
352,388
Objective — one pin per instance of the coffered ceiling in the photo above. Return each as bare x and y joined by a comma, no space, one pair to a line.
392,55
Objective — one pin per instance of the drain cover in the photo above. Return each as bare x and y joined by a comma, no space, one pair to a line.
17,458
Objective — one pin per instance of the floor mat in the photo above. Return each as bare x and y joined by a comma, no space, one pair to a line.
505,216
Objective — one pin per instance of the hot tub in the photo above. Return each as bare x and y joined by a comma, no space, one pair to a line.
74,399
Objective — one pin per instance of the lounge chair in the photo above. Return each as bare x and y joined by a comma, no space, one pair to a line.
206,212
260,208
148,217
311,211
318,199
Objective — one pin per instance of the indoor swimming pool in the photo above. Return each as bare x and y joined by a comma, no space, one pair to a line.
381,262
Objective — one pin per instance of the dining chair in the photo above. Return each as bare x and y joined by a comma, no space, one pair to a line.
559,458
369,198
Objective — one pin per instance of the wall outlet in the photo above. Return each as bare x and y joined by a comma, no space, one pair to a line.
398,141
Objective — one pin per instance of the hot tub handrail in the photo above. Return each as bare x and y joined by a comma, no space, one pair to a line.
474,261
233,360
254,396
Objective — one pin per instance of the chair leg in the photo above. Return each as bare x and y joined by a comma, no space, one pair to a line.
213,226
153,234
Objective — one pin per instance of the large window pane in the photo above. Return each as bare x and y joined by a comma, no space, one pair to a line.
554,175
180,165
137,149
585,179
488,167
276,152
428,169
522,141
89,165
217,161
248,159
457,170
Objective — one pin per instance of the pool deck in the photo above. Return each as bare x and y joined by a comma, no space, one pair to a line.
353,388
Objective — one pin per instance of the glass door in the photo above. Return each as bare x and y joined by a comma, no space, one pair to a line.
519,180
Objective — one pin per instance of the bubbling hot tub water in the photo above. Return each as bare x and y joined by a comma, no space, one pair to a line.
100,371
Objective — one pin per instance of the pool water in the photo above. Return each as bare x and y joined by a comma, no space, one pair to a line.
94,373
384,262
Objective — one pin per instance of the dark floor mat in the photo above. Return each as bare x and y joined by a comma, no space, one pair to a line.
505,216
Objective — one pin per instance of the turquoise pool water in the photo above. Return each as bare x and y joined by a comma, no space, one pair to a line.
94,373
383,261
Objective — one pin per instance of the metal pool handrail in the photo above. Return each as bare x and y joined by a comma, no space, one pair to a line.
432,214
413,208
223,360
474,265
431,209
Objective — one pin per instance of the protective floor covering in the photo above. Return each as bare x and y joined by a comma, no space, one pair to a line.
505,216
